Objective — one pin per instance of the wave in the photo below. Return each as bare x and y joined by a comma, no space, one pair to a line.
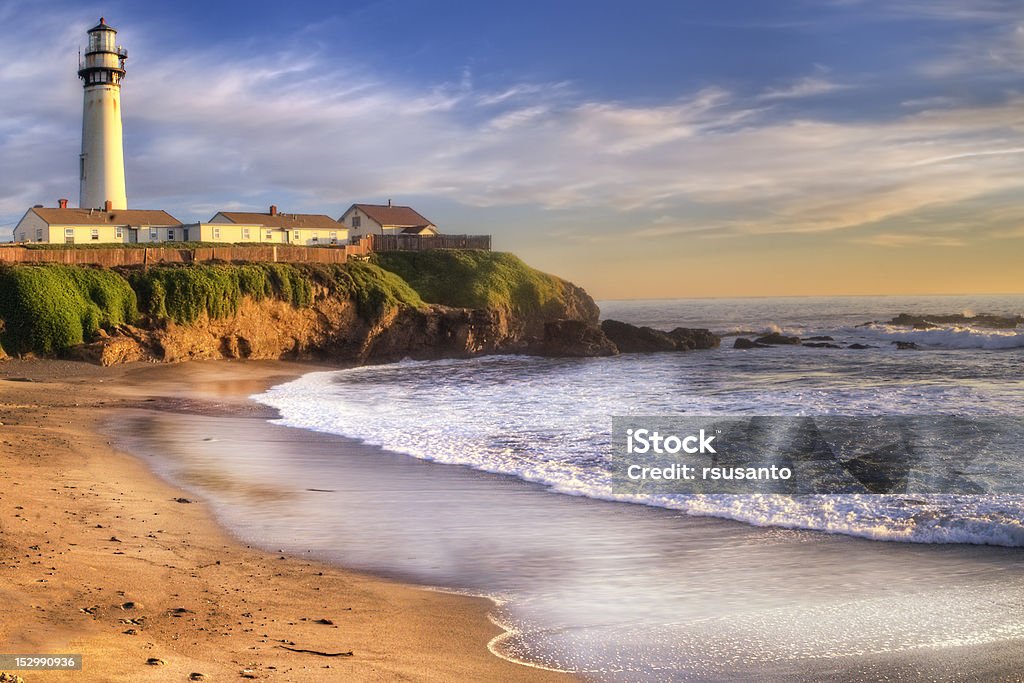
953,337
522,417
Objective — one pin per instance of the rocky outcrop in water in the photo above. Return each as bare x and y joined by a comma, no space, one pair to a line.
927,322
633,339
573,339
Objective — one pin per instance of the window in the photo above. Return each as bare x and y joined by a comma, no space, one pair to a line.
170,234
81,167
153,235
246,234
357,221
69,235
39,234
334,238
270,235
119,232
95,233
316,238
216,233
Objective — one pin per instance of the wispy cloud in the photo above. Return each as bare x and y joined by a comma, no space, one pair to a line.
810,86
207,129
904,240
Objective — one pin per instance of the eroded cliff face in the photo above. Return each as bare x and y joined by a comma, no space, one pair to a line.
331,328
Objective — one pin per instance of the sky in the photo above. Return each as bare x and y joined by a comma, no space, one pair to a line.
680,148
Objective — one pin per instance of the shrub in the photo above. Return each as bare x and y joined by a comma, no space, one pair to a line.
184,293
49,308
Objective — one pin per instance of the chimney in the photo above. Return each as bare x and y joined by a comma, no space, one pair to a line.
273,209
108,206
389,203
62,203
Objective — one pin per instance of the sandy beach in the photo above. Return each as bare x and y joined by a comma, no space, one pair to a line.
100,557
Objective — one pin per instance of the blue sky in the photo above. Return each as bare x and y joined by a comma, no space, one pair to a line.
646,148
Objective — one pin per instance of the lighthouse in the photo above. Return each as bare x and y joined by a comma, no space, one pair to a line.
101,166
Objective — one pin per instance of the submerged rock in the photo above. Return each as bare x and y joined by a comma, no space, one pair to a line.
925,322
775,339
906,346
744,343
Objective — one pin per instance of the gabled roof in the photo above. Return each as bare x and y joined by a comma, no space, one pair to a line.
393,216
54,216
283,220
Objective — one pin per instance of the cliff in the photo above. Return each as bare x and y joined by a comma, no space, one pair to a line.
430,305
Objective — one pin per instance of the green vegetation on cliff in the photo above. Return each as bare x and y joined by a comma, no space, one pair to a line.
184,293
47,308
52,307
478,279
374,290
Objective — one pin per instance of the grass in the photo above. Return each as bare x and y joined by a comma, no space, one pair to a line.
184,293
477,279
49,308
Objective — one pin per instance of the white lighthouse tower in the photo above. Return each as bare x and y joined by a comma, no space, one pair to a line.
102,163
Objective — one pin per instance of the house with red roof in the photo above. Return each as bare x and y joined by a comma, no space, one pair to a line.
385,219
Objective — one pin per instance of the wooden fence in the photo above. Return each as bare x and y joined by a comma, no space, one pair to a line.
426,242
150,256
143,256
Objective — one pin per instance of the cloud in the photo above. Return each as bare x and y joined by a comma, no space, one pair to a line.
905,240
207,128
810,86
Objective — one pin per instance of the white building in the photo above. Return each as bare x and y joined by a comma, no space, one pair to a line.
385,219
62,225
101,166
307,229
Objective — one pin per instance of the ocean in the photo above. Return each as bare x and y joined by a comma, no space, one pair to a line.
489,476
549,420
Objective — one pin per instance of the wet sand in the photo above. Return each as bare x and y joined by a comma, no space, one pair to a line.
100,557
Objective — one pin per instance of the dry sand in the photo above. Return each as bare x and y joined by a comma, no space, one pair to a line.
98,557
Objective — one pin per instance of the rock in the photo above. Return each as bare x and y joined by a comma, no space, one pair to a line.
906,346
196,676
775,339
859,347
822,345
182,500
110,350
926,322
821,338
744,343
10,678
326,622
633,339
573,339
155,661
690,338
